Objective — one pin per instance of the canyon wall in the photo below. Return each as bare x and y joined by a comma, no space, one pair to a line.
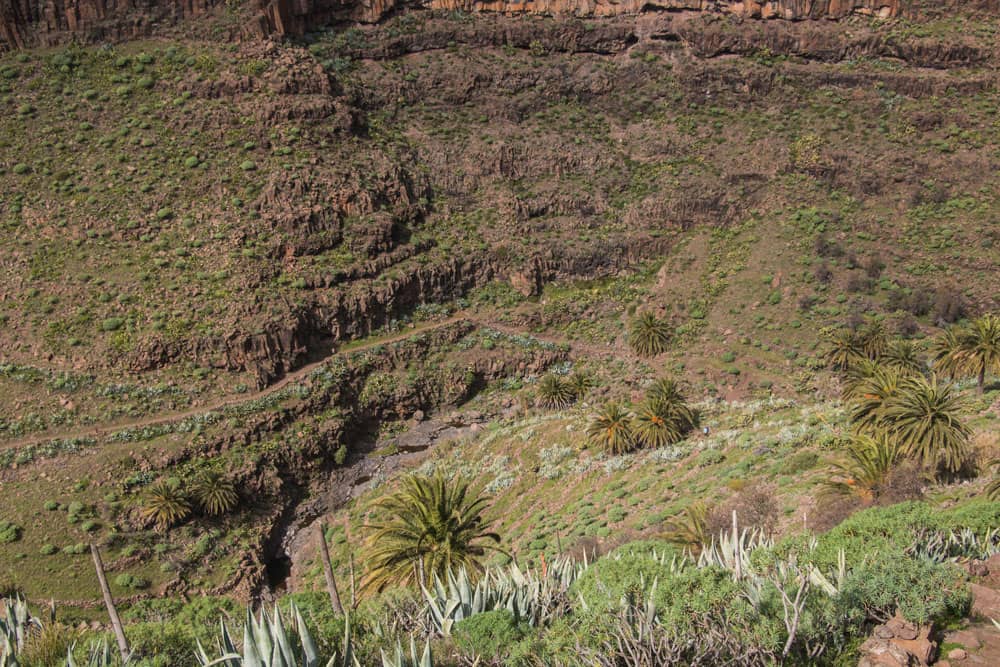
27,23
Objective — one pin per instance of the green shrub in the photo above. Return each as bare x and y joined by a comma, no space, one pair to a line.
921,590
248,165
192,162
51,505
617,574
48,549
21,168
9,532
164,214
112,324
710,457
127,580
90,526
799,461
75,549
489,635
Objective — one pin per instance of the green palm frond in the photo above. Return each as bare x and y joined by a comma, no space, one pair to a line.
844,348
555,392
873,338
945,357
215,493
905,357
993,488
659,424
870,395
925,418
430,526
649,335
611,429
689,528
166,504
978,352
581,383
870,461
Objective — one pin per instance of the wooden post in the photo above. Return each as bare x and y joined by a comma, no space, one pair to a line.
354,596
331,583
116,622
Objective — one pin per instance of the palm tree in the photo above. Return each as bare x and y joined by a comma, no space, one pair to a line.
870,396
215,493
993,488
924,417
649,335
904,356
689,528
873,338
870,462
944,352
668,392
580,383
657,425
554,392
979,348
431,526
166,504
845,347
611,428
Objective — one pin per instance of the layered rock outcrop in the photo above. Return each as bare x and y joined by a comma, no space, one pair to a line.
25,23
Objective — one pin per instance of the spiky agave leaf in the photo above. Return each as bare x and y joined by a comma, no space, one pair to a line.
611,429
925,418
431,525
649,335
166,504
215,493
555,392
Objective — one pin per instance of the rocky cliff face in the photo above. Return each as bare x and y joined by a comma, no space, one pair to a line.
25,23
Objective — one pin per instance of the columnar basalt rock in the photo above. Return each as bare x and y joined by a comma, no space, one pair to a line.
25,23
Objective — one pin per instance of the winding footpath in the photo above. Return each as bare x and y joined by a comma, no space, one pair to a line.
103,430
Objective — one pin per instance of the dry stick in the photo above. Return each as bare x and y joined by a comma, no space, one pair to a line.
116,622
331,583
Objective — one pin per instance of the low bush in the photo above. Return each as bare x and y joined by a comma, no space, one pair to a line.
488,637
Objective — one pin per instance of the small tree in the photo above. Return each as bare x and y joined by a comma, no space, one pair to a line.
611,428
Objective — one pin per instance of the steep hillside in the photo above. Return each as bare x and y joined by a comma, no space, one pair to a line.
304,262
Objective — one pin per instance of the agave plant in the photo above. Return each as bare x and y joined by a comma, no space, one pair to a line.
400,659
532,597
266,643
555,392
870,462
166,504
215,493
731,550
941,546
99,654
16,625
611,428
649,335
